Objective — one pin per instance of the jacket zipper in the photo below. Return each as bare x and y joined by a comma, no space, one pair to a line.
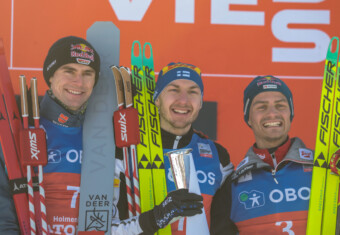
176,142
273,174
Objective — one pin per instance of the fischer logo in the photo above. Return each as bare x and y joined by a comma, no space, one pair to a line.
122,122
33,145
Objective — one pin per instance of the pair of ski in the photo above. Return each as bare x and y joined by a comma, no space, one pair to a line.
22,147
146,184
322,215
151,168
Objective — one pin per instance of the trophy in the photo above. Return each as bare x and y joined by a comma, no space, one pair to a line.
179,163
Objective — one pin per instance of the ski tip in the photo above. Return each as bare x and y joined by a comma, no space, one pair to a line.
333,47
114,67
147,51
136,49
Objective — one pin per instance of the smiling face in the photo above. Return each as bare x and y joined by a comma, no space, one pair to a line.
179,105
72,84
269,117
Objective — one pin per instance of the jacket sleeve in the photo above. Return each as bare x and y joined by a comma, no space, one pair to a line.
226,166
221,204
8,218
221,223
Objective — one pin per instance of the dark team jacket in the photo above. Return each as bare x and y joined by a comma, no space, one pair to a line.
266,200
212,165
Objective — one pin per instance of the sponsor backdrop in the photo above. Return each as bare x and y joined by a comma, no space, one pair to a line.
232,41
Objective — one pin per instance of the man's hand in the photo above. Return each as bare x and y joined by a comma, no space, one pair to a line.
177,203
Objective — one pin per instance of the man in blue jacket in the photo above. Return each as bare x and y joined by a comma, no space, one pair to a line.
270,188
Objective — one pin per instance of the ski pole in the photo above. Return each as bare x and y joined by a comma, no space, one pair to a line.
36,118
24,114
120,99
126,74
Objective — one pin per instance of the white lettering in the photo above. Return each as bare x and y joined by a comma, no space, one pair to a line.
211,177
319,38
61,229
221,14
75,195
127,10
33,145
301,194
201,176
185,11
123,131
279,198
290,194
72,156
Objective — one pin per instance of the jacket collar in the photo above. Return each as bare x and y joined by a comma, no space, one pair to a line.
296,153
169,139
51,110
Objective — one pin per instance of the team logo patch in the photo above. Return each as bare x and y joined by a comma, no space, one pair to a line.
204,150
54,156
269,86
269,82
261,156
252,199
82,51
307,168
83,61
178,65
62,118
96,220
246,177
306,154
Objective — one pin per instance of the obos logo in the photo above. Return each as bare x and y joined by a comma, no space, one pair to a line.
54,156
252,199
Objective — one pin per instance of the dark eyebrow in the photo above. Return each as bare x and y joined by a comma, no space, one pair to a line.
68,67
73,69
265,102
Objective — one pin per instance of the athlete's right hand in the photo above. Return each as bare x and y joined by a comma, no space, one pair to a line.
177,203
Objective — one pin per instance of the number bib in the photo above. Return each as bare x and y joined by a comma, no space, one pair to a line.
62,177
260,204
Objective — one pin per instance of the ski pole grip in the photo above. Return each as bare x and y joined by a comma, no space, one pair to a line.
34,93
126,127
23,97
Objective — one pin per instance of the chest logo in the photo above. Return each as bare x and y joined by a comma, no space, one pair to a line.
204,150
252,199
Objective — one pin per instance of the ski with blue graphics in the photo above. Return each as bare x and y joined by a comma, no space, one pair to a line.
152,179
98,158
322,215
